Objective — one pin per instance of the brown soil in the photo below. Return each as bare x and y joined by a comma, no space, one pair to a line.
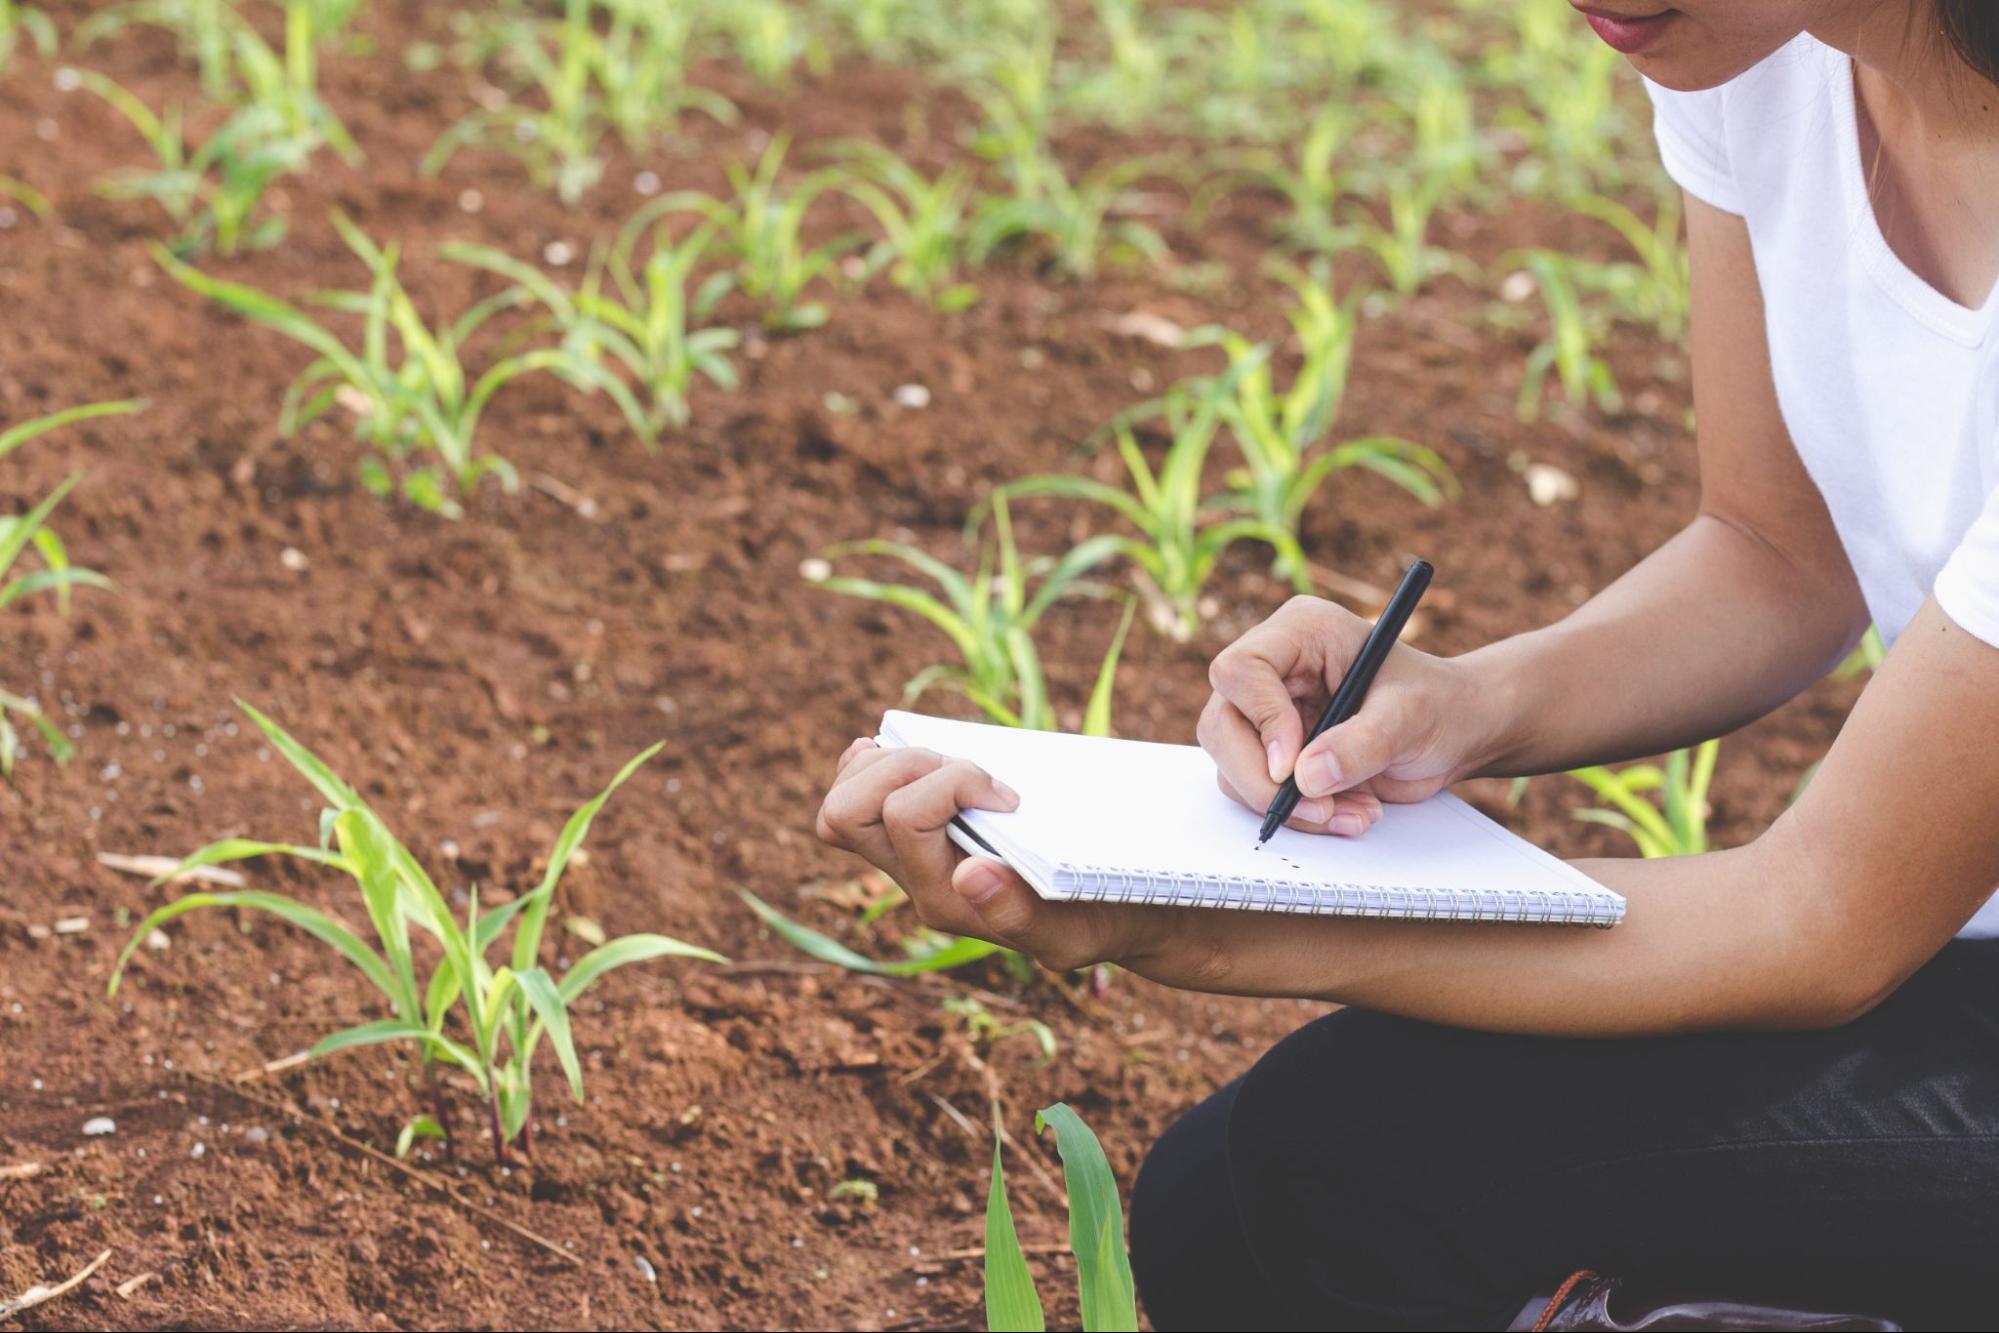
477,680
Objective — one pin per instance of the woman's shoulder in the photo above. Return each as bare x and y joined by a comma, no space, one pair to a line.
1720,142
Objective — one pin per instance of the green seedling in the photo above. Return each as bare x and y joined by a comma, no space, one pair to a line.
415,400
1129,86
22,533
1655,290
761,228
585,79
27,196
922,220
205,29
1402,248
1677,826
1313,185
1569,113
24,21
1570,349
1096,1237
1181,534
990,617
984,1029
484,1019
770,39
1072,218
1284,435
635,316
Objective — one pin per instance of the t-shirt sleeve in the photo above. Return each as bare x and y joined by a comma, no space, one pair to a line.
1968,587
1692,144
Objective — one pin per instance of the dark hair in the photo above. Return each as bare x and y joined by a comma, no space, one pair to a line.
1972,29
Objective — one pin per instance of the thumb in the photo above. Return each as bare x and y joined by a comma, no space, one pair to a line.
1059,936
1347,755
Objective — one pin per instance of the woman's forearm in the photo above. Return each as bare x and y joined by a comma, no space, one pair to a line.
1703,946
1709,632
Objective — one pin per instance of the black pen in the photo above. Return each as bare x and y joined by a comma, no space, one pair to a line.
1360,674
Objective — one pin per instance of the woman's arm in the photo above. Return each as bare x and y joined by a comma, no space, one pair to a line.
1887,853
1748,605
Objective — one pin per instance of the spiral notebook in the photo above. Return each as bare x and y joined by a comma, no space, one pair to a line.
1135,821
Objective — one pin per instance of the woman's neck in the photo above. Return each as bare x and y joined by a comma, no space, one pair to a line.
1929,134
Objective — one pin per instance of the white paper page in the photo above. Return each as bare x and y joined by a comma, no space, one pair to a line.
1147,808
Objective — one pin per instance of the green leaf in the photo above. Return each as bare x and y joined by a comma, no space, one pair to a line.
1012,1303
422,1126
335,792
395,1029
527,940
15,436
309,919
826,949
1096,1223
540,990
621,952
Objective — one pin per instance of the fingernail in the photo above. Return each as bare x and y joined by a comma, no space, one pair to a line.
1313,812
1276,754
1318,772
1348,824
1007,795
981,882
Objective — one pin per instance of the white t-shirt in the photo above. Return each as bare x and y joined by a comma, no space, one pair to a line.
1889,388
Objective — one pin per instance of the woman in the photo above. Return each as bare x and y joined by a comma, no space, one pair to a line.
1778,1080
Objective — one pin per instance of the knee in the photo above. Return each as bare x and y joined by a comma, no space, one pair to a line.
1183,1221
1326,1154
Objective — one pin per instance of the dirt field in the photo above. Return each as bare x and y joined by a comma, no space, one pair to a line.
477,680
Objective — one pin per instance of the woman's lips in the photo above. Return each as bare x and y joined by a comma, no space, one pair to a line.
1629,35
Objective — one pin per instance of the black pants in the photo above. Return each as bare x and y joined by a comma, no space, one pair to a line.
1374,1172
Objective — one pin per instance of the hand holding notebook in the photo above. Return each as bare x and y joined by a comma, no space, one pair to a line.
1134,821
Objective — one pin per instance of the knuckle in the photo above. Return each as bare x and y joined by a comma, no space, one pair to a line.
899,807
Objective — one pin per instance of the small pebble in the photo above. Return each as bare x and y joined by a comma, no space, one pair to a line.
293,559
558,253
813,569
647,183
912,396
199,1151
470,201
99,1125
640,1262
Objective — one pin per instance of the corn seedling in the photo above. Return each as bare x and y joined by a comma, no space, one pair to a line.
585,80
1313,186
1402,248
211,192
985,1030
205,30
1180,534
761,229
1677,826
487,1020
1570,349
1128,87
1073,218
1655,290
24,21
990,617
419,399
635,316
1569,112
922,220
1283,435
27,196
769,38
1096,1237
22,533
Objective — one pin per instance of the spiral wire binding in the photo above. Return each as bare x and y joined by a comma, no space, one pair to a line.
1102,883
